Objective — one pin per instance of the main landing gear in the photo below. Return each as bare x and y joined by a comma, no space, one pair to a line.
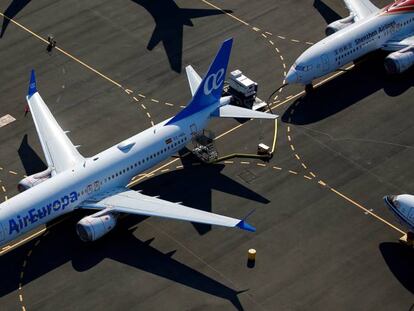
309,88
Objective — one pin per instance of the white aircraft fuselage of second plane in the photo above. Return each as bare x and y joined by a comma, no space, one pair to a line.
402,206
364,31
100,183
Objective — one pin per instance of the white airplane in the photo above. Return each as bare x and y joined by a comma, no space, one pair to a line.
403,208
99,183
366,29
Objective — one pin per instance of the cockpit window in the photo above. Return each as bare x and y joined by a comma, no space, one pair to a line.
303,68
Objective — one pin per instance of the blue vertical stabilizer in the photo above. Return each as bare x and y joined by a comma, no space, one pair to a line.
32,84
211,87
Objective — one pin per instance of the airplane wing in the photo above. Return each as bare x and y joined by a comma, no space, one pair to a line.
398,43
59,151
132,202
360,8
193,79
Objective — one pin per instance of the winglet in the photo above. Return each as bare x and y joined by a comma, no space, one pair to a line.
245,226
32,84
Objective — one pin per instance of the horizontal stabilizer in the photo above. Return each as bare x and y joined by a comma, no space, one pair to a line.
193,79
230,111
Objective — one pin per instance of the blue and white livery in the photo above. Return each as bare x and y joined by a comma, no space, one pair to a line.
99,183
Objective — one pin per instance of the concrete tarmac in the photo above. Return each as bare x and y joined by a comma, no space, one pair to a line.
325,240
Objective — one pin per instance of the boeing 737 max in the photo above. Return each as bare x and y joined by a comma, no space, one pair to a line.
366,29
99,183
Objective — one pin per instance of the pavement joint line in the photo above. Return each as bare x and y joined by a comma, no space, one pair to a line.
366,210
227,13
128,91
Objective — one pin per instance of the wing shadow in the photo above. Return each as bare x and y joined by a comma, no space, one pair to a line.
326,12
31,161
193,186
120,245
12,10
170,20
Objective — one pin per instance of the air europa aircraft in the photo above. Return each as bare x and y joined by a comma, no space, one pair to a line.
366,29
99,183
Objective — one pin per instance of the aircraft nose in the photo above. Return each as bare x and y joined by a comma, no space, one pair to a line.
292,76
392,200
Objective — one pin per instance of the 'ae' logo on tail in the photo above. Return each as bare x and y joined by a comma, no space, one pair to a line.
213,81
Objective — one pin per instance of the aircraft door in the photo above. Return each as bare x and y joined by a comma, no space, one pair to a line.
193,129
325,62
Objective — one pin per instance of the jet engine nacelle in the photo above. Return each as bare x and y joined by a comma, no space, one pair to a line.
33,180
91,228
338,25
399,61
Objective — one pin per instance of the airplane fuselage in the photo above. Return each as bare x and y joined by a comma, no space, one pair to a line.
106,171
349,44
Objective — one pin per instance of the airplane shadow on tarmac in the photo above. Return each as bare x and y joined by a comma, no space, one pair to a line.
169,23
326,12
31,161
122,246
349,88
62,245
399,259
193,186
12,10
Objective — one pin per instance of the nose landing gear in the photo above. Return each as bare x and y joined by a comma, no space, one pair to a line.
408,239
